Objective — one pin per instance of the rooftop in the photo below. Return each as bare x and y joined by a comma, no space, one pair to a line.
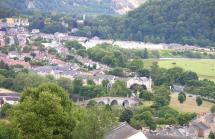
122,131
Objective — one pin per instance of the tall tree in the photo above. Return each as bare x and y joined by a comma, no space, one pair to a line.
213,109
161,97
211,135
119,89
181,97
126,116
199,101
145,54
77,85
94,124
45,112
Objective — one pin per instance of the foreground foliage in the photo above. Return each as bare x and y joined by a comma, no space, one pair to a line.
167,21
47,112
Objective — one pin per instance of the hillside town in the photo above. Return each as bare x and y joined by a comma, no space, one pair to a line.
48,55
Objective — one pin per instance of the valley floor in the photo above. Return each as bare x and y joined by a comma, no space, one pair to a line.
190,105
205,68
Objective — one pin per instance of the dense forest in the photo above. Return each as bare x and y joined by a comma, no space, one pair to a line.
160,21
61,6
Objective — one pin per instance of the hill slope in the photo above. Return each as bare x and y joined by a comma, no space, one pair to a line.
168,21
74,6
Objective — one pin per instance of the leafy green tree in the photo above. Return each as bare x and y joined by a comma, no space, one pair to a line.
4,65
167,115
181,97
5,109
164,25
105,83
145,95
77,85
107,59
74,44
136,64
24,80
7,131
45,112
199,101
92,91
119,89
108,54
7,83
154,69
143,73
94,124
213,109
126,116
185,118
144,118
52,51
65,83
117,72
166,112
211,135
91,82
145,54
91,103
108,107
53,28
27,59
174,74
188,76
161,97
82,52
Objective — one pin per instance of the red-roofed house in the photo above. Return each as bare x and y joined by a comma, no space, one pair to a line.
12,62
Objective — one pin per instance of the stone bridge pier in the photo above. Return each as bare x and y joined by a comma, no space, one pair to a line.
120,101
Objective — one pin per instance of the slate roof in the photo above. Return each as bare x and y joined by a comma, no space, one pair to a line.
122,131
67,70
9,94
210,118
172,131
201,126
177,88
12,98
151,136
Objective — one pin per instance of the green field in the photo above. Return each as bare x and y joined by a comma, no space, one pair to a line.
205,68
190,105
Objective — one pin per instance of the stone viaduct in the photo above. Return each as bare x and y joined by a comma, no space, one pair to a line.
120,101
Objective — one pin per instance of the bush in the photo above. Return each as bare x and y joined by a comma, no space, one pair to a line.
213,109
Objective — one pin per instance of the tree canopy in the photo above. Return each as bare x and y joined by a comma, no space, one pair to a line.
46,112
167,21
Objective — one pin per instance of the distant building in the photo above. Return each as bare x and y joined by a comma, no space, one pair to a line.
81,22
152,136
2,41
10,22
199,130
146,82
125,131
12,62
35,31
203,125
64,71
13,55
177,88
9,97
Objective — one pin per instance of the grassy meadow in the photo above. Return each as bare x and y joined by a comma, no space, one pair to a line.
190,105
205,68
